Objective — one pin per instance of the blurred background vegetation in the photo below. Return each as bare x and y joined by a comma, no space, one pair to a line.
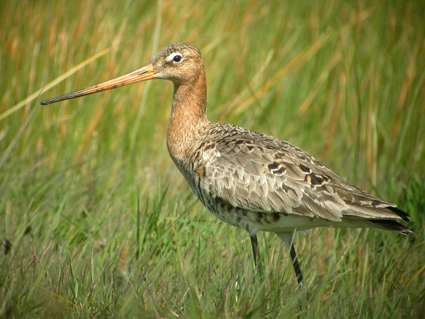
96,220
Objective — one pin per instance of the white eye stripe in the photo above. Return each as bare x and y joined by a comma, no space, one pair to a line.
170,58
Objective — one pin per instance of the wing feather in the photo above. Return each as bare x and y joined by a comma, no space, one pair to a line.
260,173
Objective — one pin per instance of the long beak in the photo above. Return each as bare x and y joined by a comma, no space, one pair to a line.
143,74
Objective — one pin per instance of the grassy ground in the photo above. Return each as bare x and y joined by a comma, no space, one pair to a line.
97,222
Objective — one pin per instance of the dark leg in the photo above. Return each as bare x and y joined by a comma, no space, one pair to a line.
256,252
303,299
296,265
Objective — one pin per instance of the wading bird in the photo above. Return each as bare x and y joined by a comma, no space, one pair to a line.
250,180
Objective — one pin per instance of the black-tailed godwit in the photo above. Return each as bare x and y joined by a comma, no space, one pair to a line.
250,180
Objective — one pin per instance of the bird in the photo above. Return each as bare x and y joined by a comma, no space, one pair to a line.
247,179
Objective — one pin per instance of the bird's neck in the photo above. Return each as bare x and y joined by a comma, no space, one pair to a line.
188,117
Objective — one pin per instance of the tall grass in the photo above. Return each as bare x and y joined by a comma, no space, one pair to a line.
97,222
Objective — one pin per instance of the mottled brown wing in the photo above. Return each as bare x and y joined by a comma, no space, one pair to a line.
274,176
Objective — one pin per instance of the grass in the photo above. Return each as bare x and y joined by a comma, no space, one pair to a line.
97,222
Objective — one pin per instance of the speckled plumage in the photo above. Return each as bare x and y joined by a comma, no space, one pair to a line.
271,185
247,179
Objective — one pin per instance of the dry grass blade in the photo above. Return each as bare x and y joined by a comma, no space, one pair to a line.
53,83
294,64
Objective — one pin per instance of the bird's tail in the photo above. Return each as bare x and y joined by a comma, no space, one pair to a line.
391,225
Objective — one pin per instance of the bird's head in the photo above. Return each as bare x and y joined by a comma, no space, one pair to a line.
180,63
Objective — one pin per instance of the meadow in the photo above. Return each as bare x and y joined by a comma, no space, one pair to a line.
95,220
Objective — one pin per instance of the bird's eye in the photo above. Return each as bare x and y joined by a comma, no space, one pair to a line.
177,58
